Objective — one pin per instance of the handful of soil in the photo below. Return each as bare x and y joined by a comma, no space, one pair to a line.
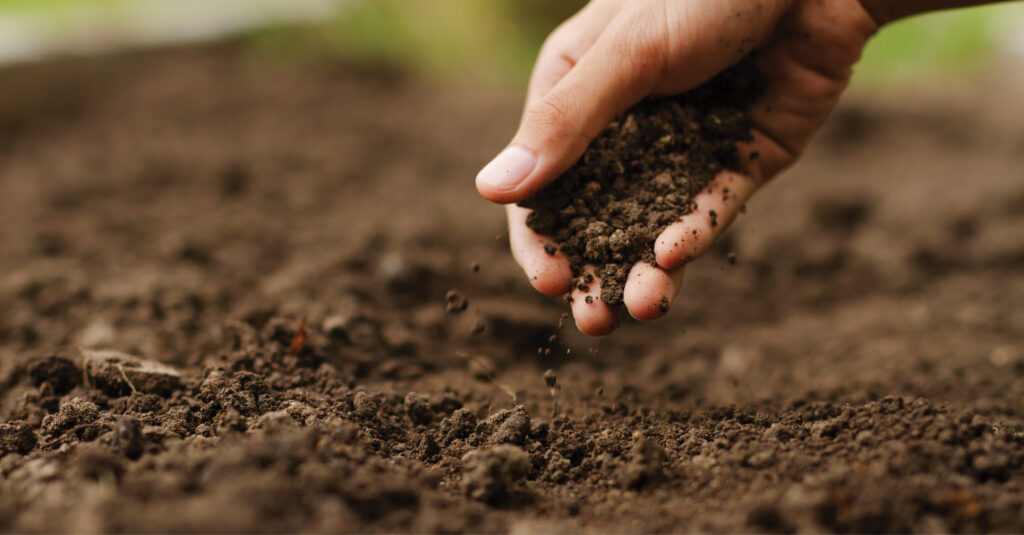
641,174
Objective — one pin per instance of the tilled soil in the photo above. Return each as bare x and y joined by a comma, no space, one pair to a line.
227,291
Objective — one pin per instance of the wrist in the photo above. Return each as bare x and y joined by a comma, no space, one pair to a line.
879,10
886,11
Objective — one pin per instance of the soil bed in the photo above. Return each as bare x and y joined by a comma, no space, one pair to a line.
241,294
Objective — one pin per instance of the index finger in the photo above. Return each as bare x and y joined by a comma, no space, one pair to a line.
567,44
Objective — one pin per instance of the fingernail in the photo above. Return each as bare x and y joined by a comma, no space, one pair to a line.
508,169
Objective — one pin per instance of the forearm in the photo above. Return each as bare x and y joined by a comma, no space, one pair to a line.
885,11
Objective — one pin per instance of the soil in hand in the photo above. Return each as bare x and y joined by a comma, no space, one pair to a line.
640,175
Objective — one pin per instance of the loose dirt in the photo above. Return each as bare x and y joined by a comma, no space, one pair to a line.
225,281
640,175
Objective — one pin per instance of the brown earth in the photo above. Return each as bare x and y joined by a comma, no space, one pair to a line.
170,220
640,175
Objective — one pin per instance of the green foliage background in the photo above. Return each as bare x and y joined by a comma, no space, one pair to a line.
498,39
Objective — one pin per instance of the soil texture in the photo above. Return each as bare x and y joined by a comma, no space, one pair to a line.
246,293
640,175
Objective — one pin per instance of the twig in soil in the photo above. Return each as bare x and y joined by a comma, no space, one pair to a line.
511,393
300,340
125,377
85,367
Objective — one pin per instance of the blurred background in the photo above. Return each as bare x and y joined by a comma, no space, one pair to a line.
493,41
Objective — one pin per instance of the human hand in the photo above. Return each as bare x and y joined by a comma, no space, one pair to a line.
612,54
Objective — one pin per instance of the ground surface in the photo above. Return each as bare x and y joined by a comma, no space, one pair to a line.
860,368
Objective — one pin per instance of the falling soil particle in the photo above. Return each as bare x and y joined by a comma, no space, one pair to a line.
640,175
550,378
455,302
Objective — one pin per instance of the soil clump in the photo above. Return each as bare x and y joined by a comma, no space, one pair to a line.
641,174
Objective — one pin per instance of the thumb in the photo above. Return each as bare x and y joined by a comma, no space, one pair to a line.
557,127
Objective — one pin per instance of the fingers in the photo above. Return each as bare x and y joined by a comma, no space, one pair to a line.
650,290
567,44
640,51
557,127
549,274
693,234
806,70
593,316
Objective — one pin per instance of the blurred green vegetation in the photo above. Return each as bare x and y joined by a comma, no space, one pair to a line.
495,39
499,39
960,43
49,5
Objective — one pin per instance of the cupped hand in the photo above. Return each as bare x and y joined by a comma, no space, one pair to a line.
612,54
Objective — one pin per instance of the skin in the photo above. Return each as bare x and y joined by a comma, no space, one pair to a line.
613,53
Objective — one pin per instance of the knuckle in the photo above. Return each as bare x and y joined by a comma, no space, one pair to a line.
642,46
557,39
552,117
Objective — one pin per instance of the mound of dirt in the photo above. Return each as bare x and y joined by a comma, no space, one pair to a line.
641,174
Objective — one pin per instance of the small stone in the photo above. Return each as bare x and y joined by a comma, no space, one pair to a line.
514,427
335,325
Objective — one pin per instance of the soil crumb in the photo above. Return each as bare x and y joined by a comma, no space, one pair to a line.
455,302
640,175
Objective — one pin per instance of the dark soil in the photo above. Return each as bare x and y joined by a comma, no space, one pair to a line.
169,222
640,175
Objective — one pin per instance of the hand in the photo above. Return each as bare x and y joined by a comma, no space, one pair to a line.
612,54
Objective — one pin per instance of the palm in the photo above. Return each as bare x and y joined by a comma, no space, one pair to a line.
807,50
